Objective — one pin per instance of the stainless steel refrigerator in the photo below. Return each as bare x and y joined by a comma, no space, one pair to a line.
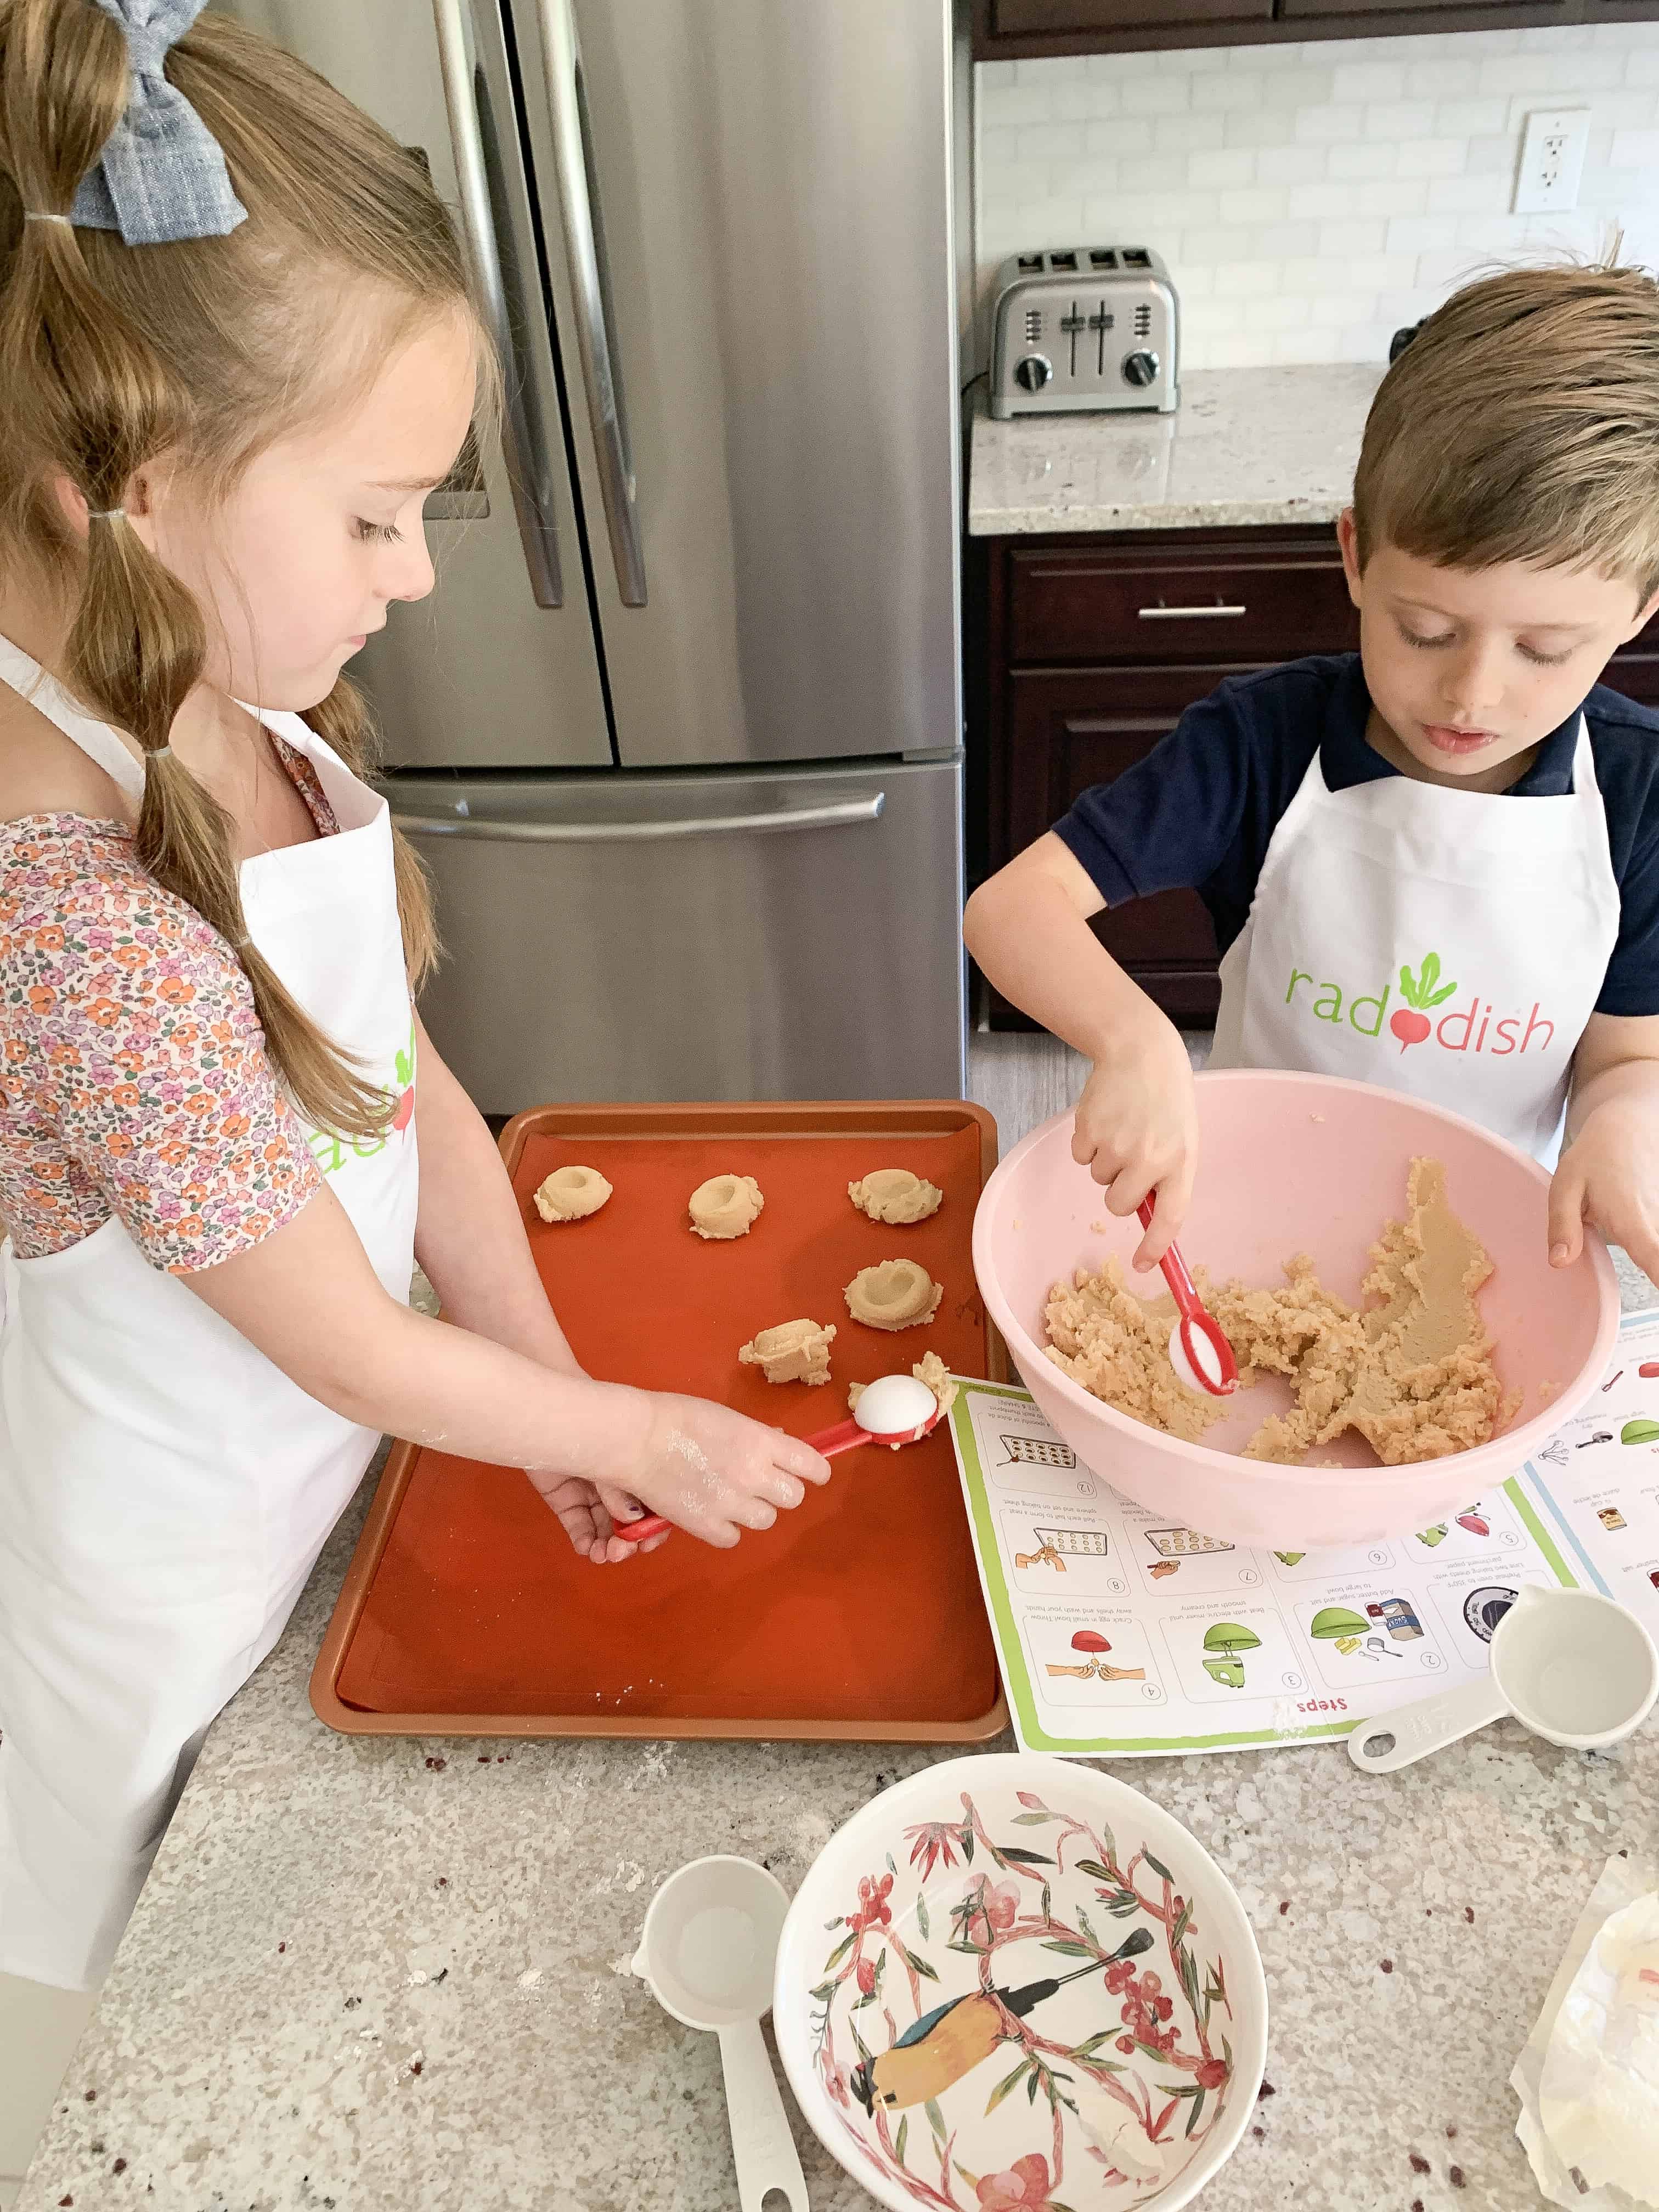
679,731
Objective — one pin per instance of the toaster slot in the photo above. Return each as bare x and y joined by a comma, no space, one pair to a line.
1030,264
1136,257
1064,261
1101,257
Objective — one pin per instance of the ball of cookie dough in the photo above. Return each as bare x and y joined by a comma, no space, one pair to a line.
893,1294
571,1194
895,1196
725,1205
794,1352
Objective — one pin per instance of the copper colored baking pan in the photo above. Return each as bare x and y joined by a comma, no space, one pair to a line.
465,1611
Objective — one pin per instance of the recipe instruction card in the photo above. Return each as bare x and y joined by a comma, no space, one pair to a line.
1121,1635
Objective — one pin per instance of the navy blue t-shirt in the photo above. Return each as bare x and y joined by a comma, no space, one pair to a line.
1197,812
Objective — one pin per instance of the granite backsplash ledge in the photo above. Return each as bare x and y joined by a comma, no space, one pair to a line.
1247,447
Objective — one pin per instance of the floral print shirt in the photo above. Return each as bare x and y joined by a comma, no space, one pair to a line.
134,1083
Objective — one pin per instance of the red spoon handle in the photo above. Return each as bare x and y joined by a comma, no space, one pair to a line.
1182,1288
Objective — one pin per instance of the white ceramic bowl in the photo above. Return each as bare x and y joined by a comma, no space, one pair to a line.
1002,1873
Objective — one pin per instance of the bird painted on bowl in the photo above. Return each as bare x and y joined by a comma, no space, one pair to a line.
934,2054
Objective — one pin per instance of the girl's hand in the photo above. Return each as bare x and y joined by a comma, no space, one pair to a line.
589,1524
1137,1128
1609,1176
712,1472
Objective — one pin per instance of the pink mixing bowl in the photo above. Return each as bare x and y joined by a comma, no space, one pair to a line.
1291,1164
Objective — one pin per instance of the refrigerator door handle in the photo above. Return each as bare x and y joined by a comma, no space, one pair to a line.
839,814
578,184
527,469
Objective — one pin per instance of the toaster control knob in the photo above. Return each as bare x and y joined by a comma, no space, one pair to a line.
1033,372
1140,368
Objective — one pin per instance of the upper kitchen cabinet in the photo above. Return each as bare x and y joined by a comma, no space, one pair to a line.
1005,30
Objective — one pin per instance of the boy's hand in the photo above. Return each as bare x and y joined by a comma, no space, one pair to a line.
1609,1176
1137,1128
712,1472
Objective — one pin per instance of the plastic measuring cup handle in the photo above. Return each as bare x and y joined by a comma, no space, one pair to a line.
762,2149
1427,1726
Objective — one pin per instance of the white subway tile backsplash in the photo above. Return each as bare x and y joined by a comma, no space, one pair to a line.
1311,198
1433,157
1370,80
1393,119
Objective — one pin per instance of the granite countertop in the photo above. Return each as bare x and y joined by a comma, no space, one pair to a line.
1246,447
391,1975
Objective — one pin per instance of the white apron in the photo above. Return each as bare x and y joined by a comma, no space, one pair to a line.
164,1488
1449,944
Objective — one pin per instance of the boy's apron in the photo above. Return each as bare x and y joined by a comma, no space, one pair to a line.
1449,944
164,1488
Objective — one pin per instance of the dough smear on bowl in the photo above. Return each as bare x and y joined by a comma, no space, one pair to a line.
571,1194
794,1352
895,1196
893,1294
1410,1370
929,1369
725,1205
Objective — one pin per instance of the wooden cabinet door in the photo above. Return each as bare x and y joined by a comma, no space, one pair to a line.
1423,12
1104,19
1066,732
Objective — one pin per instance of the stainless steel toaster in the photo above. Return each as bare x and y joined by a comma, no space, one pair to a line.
1082,328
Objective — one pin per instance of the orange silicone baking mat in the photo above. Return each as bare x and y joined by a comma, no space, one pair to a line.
858,1615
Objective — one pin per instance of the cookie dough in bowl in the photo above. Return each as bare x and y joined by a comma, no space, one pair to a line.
893,1294
571,1194
725,1205
794,1352
895,1196
1290,1164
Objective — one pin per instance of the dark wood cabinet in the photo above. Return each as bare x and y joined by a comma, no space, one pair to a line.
1084,651
1011,30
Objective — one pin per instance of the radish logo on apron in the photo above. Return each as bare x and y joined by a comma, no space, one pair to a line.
1414,1021
331,1152
1463,940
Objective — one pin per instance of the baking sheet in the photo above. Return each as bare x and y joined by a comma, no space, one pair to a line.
464,1610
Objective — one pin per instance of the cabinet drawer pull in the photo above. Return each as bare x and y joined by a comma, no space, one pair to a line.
1161,613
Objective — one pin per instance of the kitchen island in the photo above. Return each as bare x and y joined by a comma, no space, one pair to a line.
386,1975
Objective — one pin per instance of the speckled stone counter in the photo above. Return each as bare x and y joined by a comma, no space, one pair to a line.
389,1976
1246,447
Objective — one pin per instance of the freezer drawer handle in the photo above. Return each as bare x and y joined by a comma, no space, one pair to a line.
566,100
1161,613
532,490
840,814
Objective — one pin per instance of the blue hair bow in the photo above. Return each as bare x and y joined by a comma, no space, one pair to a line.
161,175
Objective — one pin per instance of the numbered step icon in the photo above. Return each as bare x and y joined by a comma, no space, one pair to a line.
1292,1681
1152,1694
1248,1577
1432,1661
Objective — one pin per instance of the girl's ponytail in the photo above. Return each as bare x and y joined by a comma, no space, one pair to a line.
92,401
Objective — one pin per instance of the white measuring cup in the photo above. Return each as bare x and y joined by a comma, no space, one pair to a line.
1577,1668
707,1951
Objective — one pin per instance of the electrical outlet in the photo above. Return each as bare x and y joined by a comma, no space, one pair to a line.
1552,161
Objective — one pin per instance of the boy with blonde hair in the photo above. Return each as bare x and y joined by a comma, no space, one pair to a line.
1433,864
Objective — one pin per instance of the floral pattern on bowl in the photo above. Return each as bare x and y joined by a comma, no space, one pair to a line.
1014,1984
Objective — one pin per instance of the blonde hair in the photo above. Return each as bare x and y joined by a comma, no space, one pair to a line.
206,351
1522,423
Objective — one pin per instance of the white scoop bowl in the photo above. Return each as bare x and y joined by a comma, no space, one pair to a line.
707,1952
1575,1667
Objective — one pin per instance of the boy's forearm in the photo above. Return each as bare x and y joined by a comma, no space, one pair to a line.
1625,1082
1030,939
469,1236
